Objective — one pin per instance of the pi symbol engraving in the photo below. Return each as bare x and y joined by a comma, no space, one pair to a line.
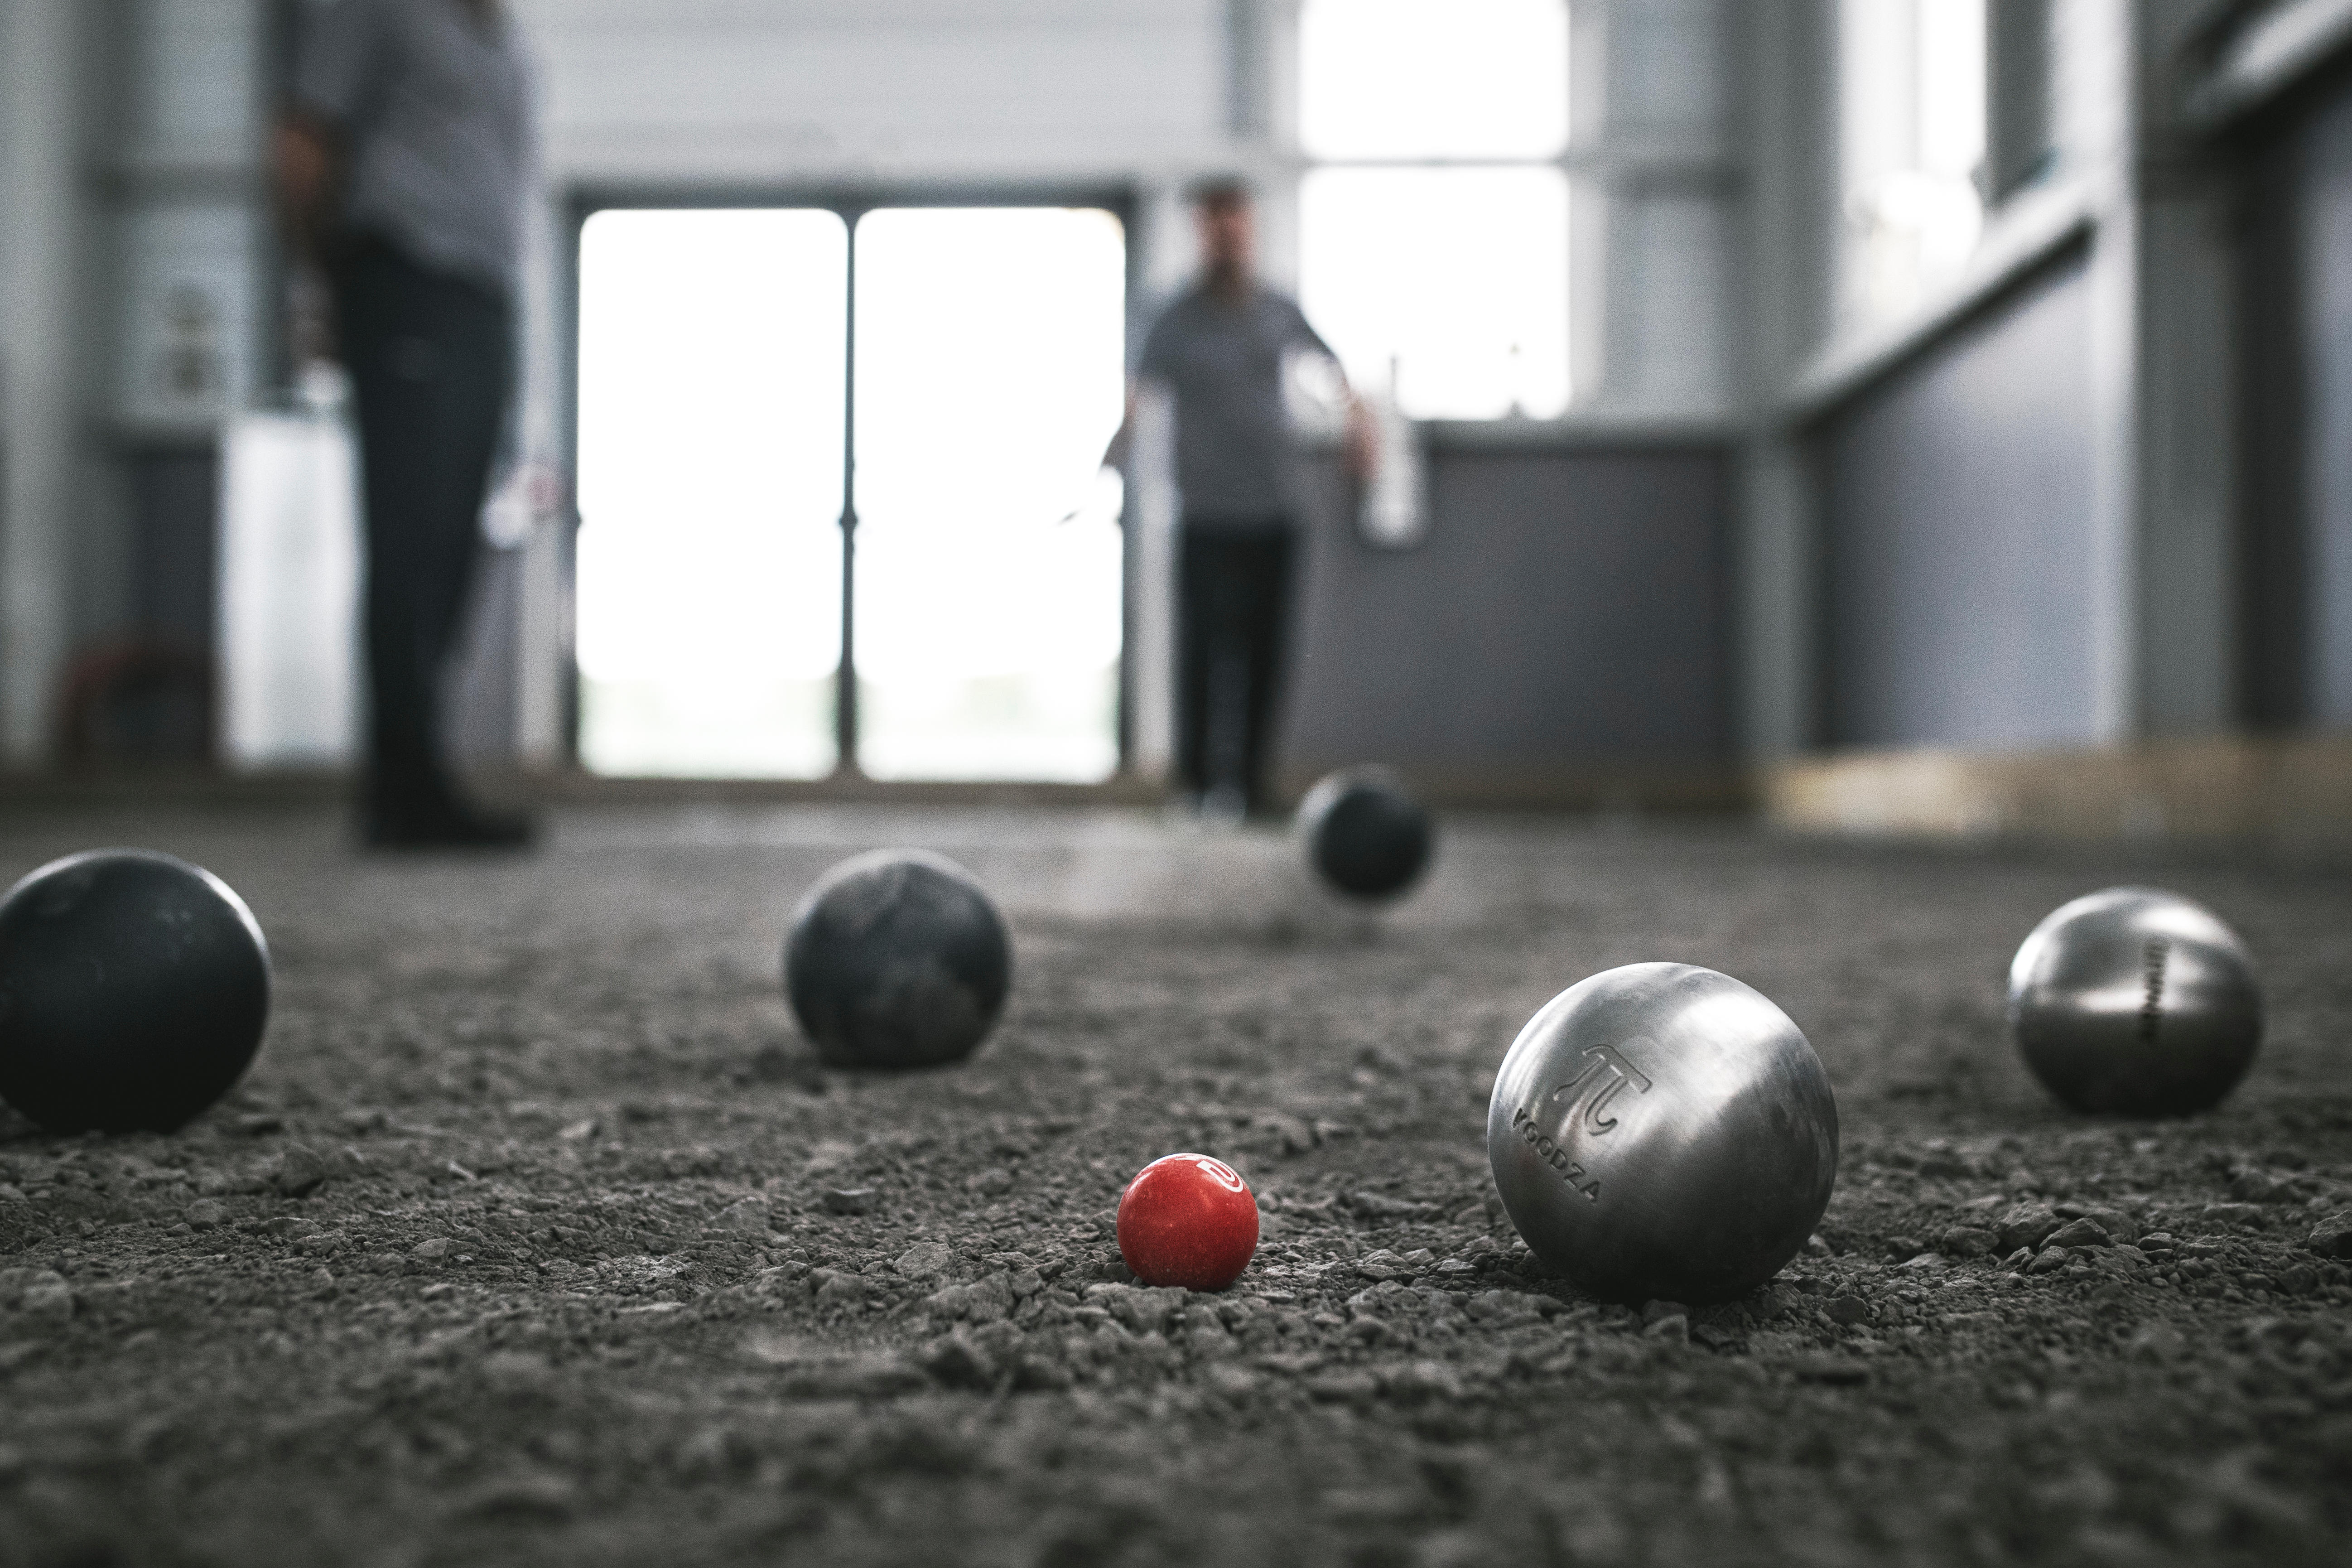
1606,1073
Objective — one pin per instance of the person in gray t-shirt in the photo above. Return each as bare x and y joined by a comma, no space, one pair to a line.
1221,348
403,168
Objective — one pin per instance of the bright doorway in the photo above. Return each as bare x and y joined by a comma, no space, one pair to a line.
719,351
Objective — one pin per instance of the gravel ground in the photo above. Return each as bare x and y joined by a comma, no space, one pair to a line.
538,1235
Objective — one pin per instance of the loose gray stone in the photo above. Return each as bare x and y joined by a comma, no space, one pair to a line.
2331,1237
2080,1233
300,1170
748,1216
851,1200
2119,1226
2027,1225
835,1289
1967,1241
924,1260
985,1301
205,1213
1142,1310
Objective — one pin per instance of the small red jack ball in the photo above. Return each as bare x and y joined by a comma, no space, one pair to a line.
1187,1220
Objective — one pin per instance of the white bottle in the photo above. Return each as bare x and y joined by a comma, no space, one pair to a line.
1395,511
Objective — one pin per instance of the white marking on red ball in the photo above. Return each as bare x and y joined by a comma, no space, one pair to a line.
1189,1220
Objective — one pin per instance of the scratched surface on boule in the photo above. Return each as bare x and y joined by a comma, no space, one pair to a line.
537,1236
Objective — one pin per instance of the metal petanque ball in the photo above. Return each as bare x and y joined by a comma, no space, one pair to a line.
1663,1132
2137,1002
1365,836
896,959
134,991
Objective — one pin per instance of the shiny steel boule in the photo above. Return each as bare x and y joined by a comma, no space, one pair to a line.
1663,1132
2136,1001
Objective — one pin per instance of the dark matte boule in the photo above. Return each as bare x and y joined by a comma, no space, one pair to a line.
134,991
1365,836
896,959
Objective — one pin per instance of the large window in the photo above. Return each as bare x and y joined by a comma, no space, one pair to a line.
1434,216
718,464
1912,115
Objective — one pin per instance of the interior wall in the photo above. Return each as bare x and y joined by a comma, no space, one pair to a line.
45,52
1566,619
2275,661
1960,546
2294,260
745,91
2323,196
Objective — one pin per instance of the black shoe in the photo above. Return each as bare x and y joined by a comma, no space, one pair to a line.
451,825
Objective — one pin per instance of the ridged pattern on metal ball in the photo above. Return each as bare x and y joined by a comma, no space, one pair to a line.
896,959
2136,1001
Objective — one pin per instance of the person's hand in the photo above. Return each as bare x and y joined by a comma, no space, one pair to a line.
1106,497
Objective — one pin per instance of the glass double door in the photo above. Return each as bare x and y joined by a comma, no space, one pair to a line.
940,380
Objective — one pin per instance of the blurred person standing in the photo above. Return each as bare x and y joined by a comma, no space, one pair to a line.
403,168
1221,348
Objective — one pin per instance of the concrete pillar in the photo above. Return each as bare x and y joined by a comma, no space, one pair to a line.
1788,127
2187,613
42,351
2165,602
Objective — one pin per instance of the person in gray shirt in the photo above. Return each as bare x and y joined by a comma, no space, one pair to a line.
1221,349
403,169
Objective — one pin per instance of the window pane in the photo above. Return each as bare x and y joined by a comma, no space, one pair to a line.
712,357
1457,279
1951,86
1432,79
1912,128
989,374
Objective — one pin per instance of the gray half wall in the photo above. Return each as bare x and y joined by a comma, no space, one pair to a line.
1960,550
1565,622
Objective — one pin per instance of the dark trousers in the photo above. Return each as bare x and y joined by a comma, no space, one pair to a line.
1233,609
431,362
